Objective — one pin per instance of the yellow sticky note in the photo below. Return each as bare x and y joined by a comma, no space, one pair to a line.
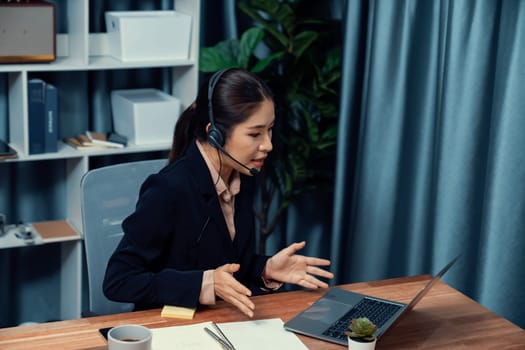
177,312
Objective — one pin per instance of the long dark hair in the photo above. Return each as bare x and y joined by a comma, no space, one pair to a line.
236,96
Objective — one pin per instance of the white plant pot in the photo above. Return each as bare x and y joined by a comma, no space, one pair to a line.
357,345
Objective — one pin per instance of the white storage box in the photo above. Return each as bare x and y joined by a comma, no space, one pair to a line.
148,35
144,116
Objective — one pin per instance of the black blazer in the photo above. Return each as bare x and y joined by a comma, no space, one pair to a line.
176,232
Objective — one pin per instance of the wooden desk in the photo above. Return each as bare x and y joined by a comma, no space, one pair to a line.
444,319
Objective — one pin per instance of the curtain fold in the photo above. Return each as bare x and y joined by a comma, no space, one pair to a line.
351,89
430,158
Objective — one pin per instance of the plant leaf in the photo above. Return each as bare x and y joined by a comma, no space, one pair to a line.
265,24
263,63
280,11
222,55
249,41
302,41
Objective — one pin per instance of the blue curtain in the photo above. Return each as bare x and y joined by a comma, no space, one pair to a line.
431,146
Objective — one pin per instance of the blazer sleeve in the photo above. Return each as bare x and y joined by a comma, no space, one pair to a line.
147,268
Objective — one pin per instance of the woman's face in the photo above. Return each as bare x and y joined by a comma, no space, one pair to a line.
251,141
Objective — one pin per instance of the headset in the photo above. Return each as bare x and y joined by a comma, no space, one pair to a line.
214,135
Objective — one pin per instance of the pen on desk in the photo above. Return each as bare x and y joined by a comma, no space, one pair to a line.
223,344
224,337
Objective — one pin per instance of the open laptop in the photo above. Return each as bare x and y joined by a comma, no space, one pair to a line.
328,318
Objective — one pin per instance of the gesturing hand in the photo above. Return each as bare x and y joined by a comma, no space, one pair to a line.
230,290
288,267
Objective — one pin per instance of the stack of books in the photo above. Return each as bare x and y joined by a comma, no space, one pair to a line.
94,141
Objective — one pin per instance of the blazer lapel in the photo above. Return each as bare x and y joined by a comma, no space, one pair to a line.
204,183
244,210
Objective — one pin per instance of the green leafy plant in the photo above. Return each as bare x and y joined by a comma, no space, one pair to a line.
362,329
301,62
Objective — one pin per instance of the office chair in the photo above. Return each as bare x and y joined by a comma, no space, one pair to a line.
108,196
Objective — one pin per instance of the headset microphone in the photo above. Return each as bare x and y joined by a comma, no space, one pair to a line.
252,171
215,137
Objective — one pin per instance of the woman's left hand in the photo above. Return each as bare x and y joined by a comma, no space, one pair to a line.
288,267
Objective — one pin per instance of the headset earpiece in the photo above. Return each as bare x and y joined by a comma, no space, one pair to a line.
215,137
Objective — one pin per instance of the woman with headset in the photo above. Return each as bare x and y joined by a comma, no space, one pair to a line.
191,238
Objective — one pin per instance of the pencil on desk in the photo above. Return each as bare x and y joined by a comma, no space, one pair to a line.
223,344
224,337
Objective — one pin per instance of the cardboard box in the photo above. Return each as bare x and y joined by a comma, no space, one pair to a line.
148,35
144,116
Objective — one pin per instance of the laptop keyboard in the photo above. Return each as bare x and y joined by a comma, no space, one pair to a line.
377,311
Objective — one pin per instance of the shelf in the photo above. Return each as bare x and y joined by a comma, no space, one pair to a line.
64,64
66,152
56,231
108,62
38,233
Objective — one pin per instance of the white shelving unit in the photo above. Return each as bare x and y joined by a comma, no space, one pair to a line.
78,50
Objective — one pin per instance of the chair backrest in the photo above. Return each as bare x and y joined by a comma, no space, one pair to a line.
108,195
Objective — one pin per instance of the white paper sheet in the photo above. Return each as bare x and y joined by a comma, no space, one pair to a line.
248,335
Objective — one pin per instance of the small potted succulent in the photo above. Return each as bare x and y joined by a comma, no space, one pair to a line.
361,334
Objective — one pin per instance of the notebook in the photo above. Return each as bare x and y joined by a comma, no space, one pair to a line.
328,318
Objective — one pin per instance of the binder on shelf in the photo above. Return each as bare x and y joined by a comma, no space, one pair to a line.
51,108
36,114
42,116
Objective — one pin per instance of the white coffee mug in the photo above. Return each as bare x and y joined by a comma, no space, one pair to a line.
129,337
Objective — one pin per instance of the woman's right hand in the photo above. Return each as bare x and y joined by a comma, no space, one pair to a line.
230,290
